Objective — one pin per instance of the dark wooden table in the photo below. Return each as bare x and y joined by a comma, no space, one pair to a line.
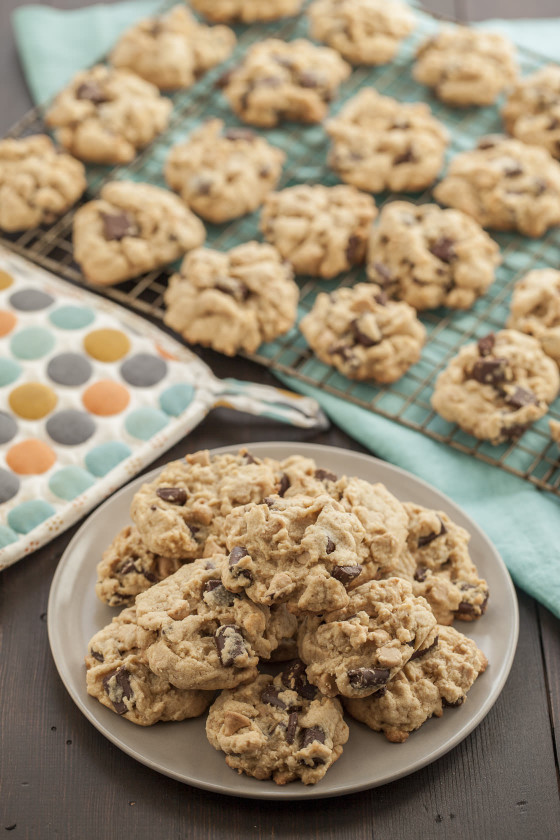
60,778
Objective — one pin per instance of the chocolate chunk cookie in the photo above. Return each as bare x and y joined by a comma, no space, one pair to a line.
105,115
319,230
232,301
246,11
532,111
431,257
496,387
364,334
535,309
280,81
381,144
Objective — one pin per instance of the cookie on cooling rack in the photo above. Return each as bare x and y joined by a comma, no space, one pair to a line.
246,11
535,309
532,111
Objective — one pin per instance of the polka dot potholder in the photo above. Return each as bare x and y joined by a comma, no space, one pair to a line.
90,394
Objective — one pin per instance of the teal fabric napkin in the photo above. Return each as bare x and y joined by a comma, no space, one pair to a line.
522,521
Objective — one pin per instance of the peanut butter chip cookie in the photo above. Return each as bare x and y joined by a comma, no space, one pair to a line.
36,183
232,301
504,185
119,677
280,81
356,650
532,111
221,174
280,728
246,11
321,231
535,309
381,144
495,388
431,257
362,31
424,687
466,66
364,334
130,229
105,115
171,51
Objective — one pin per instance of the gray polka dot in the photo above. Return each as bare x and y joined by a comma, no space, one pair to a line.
69,369
70,427
30,300
8,427
143,370
9,485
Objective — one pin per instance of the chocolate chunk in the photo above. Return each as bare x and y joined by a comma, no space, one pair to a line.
292,727
405,157
119,691
400,125
353,249
294,677
194,531
381,299
490,371
513,171
383,272
345,574
173,495
453,704
361,337
520,398
97,655
330,546
426,540
118,225
271,696
236,554
92,92
313,733
230,644
240,134
218,594
419,653
269,501
486,143
284,484
249,459
465,608
486,344
210,585
325,475
237,290
515,431
420,573
443,249
368,677
202,185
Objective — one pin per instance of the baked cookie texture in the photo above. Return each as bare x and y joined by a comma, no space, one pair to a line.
172,50
535,309
246,11
234,300
270,730
466,66
362,31
505,185
320,231
279,81
37,184
496,387
431,257
356,650
130,229
425,686
119,677
105,115
532,110
223,174
363,334
381,144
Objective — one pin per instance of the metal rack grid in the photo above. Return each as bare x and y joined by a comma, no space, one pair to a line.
534,457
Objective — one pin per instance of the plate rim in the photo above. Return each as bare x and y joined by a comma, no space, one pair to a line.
287,793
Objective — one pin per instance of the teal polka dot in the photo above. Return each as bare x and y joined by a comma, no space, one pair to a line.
174,400
72,317
7,536
105,457
9,371
143,423
70,482
28,515
32,343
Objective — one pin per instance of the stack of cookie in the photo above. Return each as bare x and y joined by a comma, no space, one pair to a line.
234,562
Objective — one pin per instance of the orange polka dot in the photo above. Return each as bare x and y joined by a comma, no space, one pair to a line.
105,398
6,280
32,400
165,353
7,322
30,457
107,345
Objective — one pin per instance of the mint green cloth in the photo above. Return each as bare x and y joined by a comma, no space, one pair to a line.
522,522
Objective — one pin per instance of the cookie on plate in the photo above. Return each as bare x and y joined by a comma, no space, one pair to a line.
381,144
466,66
363,334
223,174
172,50
356,650
280,81
496,387
105,115
504,185
532,111
119,677
535,309
278,728
319,230
362,31
233,300
431,257
425,686
130,229
37,184
246,11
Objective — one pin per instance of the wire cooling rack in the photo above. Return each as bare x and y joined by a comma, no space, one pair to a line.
534,457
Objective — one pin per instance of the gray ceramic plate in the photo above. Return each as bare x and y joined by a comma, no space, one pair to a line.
181,750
